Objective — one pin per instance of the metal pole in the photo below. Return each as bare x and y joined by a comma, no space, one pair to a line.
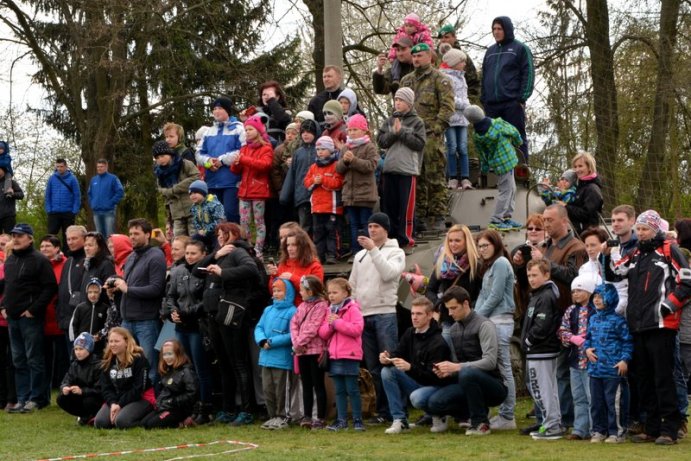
333,34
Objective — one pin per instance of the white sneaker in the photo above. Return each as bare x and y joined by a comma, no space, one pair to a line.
597,437
281,423
614,439
499,423
439,424
466,184
270,423
453,184
398,426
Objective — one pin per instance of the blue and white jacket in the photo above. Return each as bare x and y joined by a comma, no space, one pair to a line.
221,141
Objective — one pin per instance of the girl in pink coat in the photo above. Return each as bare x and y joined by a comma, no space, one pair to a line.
342,329
308,345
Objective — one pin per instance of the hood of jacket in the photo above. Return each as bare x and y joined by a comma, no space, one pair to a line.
549,285
122,247
352,98
610,297
507,25
289,299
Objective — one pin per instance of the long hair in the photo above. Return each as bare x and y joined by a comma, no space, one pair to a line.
470,250
314,285
132,351
103,251
494,238
181,357
231,229
307,252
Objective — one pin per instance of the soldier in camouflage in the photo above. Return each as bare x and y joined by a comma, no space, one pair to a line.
434,104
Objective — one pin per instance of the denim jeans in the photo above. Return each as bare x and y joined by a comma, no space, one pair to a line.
504,334
603,392
105,223
380,334
398,386
357,218
26,342
192,342
419,398
680,381
580,390
347,387
446,334
457,152
564,386
145,332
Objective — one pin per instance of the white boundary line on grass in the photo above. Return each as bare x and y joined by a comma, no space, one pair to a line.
243,447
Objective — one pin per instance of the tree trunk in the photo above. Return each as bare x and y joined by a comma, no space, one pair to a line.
316,8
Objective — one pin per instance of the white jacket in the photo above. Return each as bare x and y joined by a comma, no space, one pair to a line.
375,277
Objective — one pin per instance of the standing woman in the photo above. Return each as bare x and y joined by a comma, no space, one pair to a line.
98,263
587,204
272,101
535,236
496,303
298,257
124,383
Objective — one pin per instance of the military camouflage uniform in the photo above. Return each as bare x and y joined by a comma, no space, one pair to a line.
434,104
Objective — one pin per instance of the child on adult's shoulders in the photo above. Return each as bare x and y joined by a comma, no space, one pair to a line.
563,193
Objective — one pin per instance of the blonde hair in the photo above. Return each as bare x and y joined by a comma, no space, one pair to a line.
179,130
132,351
470,250
342,283
588,159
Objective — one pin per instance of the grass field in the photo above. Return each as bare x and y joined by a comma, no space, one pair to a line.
51,433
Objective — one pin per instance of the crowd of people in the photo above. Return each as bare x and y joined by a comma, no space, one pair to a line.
158,322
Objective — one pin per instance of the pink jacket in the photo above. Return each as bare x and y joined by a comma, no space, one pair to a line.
421,36
345,333
304,327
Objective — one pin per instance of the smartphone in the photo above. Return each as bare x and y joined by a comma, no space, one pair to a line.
205,269
272,261
362,233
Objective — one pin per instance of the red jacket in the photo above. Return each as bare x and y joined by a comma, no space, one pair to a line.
344,335
337,133
255,164
50,325
292,266
122,247
326,197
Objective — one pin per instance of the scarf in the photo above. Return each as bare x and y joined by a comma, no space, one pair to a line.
353,143
450,269
328,160
588,177
168,175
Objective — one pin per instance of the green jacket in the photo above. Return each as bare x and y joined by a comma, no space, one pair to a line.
177,198
434,98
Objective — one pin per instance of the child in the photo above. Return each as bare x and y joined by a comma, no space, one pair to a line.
79,392
609,348
342,329
207,212
542,347
574,325
496,142
293,190
348,101
254,163
174,176
283,156
272,335
334,126
414,30
457,132
307,346
325,184
6,164
179,388
357,164
403,138
175,138
564,192
90,316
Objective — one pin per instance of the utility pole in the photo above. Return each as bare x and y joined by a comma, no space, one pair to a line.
333,33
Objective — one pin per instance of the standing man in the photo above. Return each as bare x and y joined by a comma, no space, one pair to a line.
142,289
375,276
332,76
71,280
434,104
508,77
219,149
447,34
105,192
382,82
29,286
62,200
623,221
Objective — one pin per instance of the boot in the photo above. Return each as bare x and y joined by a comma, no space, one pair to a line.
204,414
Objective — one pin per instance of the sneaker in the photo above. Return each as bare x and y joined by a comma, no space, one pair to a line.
424,420
439,424
16,408
549,434
643,438
614,439
499,423
281,423
635,428
331,260
466,184
338,425
306,422
453,184
530,429
202,418
464,424
376,420
513,224
683,430
224,417
500,226
575,437
270,423
358,425
597,437
539,430
480,429
317,424
665,440
398,426
29,407
242,419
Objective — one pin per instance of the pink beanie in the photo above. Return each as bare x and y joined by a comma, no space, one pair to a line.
359,122
413,19
256,122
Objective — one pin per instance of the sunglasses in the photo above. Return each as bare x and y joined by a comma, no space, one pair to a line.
534,229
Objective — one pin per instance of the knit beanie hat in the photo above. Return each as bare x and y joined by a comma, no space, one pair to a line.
570,176
199,187
664,225
223,102
325,142
85,341
293,126
255,122
162,148
585,282
334,107
474,113
382,219
651,219
413,19
359,122
310,126
305,115
407,95
453,57
94,281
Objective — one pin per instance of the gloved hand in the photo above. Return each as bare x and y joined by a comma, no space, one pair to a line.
577,340
667,308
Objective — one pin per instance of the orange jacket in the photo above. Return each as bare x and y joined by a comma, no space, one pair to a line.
326,197
254,166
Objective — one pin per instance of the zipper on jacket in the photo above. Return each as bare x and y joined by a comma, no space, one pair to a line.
647,279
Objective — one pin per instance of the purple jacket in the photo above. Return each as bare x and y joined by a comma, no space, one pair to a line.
345,333
304,327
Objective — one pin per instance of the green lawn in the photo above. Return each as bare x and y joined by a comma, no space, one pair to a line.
51,433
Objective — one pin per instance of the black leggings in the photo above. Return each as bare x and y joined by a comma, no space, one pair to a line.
312,378
232,350
164,418
84,406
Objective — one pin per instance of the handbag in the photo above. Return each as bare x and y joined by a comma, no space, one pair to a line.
324,361
230,313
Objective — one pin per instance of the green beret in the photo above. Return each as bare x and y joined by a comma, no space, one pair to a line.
420,47
445,29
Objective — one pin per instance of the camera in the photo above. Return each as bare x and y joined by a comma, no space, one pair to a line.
110,281
612,243
526,251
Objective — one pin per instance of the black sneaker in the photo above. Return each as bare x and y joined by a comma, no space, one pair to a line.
529,429
376,420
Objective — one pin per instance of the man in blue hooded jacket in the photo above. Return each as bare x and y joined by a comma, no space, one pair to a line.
105,192
508,76
63,199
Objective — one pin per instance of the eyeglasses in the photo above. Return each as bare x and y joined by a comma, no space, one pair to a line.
534,229
483,246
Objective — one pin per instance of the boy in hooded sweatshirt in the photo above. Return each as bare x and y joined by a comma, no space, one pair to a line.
90,316
272,335
80,394
6,164
348,101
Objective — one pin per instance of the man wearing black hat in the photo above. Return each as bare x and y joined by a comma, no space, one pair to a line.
218,150
375,276
383,82
29,286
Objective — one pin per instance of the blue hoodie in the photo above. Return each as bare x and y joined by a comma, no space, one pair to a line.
6,159
608,333
274,327
105,192
63,194
294,190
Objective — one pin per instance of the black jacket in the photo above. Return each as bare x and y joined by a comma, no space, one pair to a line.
587,205
179,390
422,351
72,273
125,385
29,283
184,295
145,274
542,320
8,205
316,104
437,286
89,317
99,267
85,374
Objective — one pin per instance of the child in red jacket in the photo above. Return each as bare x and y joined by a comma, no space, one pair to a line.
325,185
254,163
